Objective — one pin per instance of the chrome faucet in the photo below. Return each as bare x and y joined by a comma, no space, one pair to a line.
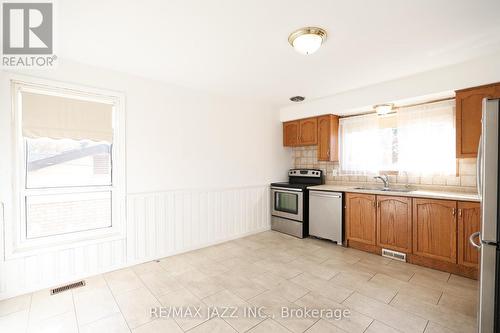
385,179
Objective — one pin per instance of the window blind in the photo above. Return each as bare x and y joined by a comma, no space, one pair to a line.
47,116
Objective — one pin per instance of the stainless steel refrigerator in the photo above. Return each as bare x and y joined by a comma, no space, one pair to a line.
487,240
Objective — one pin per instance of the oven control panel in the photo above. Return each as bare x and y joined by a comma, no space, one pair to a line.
305,173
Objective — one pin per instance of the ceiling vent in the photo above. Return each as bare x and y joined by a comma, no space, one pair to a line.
297,98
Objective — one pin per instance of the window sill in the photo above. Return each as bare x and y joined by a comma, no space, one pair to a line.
32,248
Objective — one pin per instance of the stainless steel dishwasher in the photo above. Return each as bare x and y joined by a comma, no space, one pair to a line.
325,215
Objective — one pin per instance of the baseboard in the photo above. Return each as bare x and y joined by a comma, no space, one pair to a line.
469,272
35,288
193,248
364,247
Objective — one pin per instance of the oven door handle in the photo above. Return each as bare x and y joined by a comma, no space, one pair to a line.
282,189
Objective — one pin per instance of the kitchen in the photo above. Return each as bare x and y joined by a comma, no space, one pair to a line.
432,222
181,166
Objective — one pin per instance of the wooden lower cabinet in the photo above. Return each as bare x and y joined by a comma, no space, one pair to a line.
361,218
435,229
433,233
394,223
469,220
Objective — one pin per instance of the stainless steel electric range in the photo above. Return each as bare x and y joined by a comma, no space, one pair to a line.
290,202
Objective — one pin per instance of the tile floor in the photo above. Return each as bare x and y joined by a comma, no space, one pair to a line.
269,270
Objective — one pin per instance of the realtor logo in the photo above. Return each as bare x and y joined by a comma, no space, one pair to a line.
28,30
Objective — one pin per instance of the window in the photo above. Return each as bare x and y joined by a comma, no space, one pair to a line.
70,166
418,140
360,151
67,162
426,139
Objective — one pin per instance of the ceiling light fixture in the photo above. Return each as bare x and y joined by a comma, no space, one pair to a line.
382,109
307,40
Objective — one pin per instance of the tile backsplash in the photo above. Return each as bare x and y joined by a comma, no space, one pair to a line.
306,157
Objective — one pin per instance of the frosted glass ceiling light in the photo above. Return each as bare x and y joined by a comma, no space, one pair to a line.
382,109
307,40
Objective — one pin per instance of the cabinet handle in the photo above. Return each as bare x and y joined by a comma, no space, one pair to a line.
454,211
460,212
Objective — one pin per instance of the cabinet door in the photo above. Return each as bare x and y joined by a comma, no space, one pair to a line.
394,223
290,133
468,223
328,127
361,218
435,229
308,131
468,117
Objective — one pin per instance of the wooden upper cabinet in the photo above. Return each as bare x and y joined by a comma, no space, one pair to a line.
468,117
435,229
291,133
308,131
303,132
469,220
328,129
321,131
361,218
394,223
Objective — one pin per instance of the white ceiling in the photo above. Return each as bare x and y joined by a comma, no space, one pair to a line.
240,48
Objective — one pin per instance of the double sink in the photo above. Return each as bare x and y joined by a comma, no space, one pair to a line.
385,189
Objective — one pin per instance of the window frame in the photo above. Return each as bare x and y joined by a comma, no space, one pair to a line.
16,242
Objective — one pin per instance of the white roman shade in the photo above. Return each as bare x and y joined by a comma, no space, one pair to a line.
417,141
426,139
359,145
65,118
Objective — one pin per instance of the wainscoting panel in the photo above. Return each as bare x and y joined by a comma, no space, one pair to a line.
26,274
159,224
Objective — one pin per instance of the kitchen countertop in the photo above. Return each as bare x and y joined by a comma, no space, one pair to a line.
418,193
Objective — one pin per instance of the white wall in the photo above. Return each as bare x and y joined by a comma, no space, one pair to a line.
472,73
198,167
